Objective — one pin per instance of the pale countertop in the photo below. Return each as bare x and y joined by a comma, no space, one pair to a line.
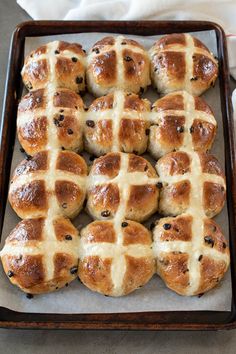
86,342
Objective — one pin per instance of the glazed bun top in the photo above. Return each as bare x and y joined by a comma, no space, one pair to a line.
58,63
123,186
182,62
117,122
181,121
50,118
116,257
41,255
191,182
51,182
192,253
117,63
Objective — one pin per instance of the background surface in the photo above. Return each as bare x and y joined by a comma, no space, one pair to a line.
86,342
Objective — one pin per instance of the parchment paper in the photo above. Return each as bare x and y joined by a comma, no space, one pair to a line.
154,296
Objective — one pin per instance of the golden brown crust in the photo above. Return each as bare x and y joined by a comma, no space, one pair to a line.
175,163
31,195
29,199
108,165
38,163
117,63
27,230
39,262
173,269
136,233
63,228
95,273
138,270
190,260
102,198
100,231
50,119
210,164
214,196
22,268
117,122
181,121
115,171
109,263
211,273
142,202
139,164
64,60
172,70
71,163
180,229
201,183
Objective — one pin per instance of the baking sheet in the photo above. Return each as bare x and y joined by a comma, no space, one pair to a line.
154,296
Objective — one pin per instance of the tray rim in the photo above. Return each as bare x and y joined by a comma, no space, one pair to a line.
146,320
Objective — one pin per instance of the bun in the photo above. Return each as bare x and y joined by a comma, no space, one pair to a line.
181,121
182,62
117,122
50,119
58,64
117,63
192,253
50,182
122,185
41,255
116,257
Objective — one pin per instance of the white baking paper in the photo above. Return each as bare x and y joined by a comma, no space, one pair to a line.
154,296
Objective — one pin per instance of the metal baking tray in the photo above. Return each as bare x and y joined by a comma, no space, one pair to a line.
168,320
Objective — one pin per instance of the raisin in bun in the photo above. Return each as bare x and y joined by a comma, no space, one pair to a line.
58,63
192,182
52,181
192,253
117,122
117,63
41,255
122,185
116,257
50,119
182,62
180,120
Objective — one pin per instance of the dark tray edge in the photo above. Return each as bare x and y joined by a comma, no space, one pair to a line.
223,320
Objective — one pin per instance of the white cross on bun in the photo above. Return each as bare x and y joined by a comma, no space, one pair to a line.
52,181
58,64
122,185
182,62
116,257
117,122
41,255
117,63
50,118
180,120
191,181
192,253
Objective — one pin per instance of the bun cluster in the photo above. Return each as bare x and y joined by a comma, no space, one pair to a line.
115,254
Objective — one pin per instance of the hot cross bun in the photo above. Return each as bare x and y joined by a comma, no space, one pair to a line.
50,119
117,122
192,253
58,64
182,62
180,120
117,63
41,255
52,181
192,182
122,185
116,257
